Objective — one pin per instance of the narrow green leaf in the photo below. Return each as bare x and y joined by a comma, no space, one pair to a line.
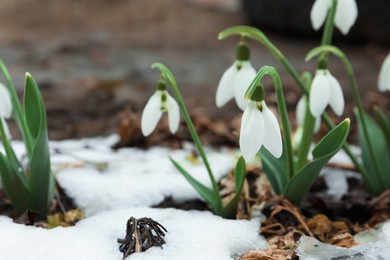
276,169
384,123
300,184
239,174
229,211
207,194
381,152
15,188
33,106
10,154
41,181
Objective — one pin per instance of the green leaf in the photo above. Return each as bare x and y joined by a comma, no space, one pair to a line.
276,169
381,152
10,155
41,181
15,188
229,211
384,123
300,184
33,106
207,194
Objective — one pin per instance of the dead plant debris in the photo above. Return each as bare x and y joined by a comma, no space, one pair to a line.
141,234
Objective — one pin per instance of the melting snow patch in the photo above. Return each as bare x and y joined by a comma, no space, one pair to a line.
130,177
377,247
191,235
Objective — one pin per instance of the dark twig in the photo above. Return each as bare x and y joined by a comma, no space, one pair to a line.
141,234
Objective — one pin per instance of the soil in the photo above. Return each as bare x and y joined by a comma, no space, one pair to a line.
92,59
63,211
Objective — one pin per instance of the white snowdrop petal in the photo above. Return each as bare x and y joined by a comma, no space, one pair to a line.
5,102
225,89
301,110
336,100
318,13
251,132
173,114
151,114
384,75
319,94
242,82
346,15
273,140
317,124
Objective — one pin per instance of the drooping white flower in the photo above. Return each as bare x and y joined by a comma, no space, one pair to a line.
325,89
345,17
301,112
160,102
5,102
259,127
236,79
5,108
384,75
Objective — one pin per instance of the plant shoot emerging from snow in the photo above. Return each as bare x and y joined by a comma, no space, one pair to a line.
31,188
152,113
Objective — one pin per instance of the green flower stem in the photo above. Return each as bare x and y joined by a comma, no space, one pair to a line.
329,25
257,35
17,109
355,94
271,71
5,141
166,73
308,128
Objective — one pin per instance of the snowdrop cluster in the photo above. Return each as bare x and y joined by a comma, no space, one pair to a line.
346,14
158,103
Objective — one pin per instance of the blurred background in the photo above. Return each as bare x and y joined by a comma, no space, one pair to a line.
91,58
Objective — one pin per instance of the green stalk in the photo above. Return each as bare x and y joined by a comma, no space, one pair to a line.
308,129
257,35
166,73
359,105
17,109
329,25
355,94
5,141
271,71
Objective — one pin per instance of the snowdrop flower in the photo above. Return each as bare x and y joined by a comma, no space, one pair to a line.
345,17
384,75
5,108
259,127
325,89
301,112
236,79
160,102
5,102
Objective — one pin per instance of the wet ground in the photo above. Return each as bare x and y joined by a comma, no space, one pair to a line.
92,58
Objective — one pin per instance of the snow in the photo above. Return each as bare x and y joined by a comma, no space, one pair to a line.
132,177
376,247
191,235
111,186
